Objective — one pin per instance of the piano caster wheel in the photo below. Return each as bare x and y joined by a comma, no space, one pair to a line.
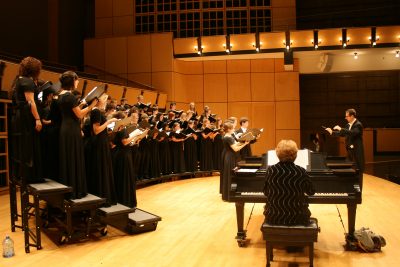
104,231
63,239
241,243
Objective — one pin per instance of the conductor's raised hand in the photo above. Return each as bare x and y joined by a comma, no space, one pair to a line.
337,128
329,130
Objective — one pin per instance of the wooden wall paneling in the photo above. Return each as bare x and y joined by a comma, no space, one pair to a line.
262,65
123,25
368,139
103,27
330,37
188,67
388,34
115,91
180,88
287,86
144,78
280,67
185,45
243,41
49,76
94,53
239,87
162,52
238,66
122,8
262,87
215,66
194,88
387,140
215,88
213,43
302,38
288,134
162,100
358,35
221,109
118,78
163,81
149,97
283,18
263,116
240,109
116,55
103,8
272,40
131,95
10,72
287,115
139,53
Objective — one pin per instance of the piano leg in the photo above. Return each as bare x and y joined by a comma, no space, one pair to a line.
241,234
351,217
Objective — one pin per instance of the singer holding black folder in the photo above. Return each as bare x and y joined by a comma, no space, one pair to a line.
353,133
228,159
72,161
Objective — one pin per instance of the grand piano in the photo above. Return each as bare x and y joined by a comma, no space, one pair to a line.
335,181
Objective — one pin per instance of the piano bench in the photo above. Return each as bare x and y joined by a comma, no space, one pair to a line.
295,235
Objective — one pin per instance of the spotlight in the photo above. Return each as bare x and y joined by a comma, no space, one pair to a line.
397,53
316,41
355,55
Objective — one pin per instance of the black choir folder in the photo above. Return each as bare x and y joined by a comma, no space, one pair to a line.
250,135
96,92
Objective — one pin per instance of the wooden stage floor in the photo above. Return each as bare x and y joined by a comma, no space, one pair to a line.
198,229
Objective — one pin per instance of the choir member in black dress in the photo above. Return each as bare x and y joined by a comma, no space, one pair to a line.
144,149
217,145
286,186
72,161
49,137
190,148
229,159
100,176
26,157
176,145
124,172
164,150
153,144
206,147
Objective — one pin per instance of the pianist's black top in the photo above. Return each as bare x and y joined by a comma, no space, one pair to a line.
285,187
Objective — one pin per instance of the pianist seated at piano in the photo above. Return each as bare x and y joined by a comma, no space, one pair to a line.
286,186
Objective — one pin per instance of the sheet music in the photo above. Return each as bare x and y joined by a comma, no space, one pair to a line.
247,170
301,160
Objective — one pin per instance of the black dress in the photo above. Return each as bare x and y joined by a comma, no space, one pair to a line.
25,152
165,153
206,154
228,163
52,153
217,151
124,173
177,156
100,174
72,159
190,152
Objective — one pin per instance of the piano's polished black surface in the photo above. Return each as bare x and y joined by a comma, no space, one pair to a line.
334,179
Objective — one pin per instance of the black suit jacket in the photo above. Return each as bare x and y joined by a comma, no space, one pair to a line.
354,143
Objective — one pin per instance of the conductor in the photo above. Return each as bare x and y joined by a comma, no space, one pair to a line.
353,133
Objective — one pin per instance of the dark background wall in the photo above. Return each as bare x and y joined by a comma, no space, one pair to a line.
319,14
51,30
324,99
